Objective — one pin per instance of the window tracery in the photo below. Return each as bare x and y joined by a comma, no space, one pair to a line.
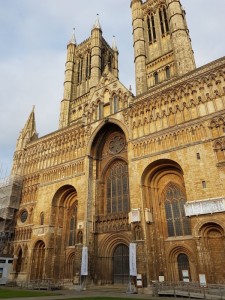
177,222
117,189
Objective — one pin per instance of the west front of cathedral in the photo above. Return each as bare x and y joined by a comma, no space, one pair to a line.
146,169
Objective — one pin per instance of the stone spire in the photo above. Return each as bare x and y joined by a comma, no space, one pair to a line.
97,23
114,46
28,133
73,38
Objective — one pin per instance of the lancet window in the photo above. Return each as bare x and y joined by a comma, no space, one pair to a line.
80,71
88,65
117,189
151,29
177,222
164,25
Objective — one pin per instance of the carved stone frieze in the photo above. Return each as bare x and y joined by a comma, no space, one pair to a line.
111,223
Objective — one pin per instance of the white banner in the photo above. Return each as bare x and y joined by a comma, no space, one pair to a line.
84,262
132,259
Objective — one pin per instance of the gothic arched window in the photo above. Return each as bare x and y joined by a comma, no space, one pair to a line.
80,71
156,77
167,72
117,188
161,22
88,66
151,28
165,19
164,25
177,222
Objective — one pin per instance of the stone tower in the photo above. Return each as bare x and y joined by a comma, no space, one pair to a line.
85,65
162,46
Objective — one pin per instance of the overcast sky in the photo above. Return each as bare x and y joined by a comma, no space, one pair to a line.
33,40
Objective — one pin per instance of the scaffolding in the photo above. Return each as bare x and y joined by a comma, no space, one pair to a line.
10,194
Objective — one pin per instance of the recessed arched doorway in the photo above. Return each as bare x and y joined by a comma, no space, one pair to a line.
183,267
109,187
213,248
38,260
121,264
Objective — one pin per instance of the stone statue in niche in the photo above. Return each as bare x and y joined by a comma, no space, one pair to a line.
80,237
138,233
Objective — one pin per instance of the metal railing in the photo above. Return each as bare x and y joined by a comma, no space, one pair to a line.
189,289
43,284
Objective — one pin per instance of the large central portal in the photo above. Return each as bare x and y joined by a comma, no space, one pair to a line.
121,264
114,269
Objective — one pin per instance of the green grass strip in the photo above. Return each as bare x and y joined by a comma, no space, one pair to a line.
13,293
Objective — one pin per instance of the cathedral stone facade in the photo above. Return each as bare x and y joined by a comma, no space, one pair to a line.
146,169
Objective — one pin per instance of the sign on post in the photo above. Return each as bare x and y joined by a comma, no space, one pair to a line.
84,262
132,259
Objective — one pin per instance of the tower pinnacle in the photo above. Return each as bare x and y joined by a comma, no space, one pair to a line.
114,46
97,23
73,38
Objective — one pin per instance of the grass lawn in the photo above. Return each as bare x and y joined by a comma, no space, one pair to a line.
13,293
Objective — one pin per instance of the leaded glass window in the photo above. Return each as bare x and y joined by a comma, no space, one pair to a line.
117,188
177,222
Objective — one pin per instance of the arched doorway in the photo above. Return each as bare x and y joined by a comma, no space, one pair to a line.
183,267
212,243
19,262
64,220
121,264
38,261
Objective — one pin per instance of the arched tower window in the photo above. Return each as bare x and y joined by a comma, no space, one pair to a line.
161,22
42,218
167,72
151,28
166,20
88,65
156,78
164,25
79,71
177,222
102,60
117,188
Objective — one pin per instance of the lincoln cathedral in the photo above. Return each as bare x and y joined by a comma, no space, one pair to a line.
146,169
